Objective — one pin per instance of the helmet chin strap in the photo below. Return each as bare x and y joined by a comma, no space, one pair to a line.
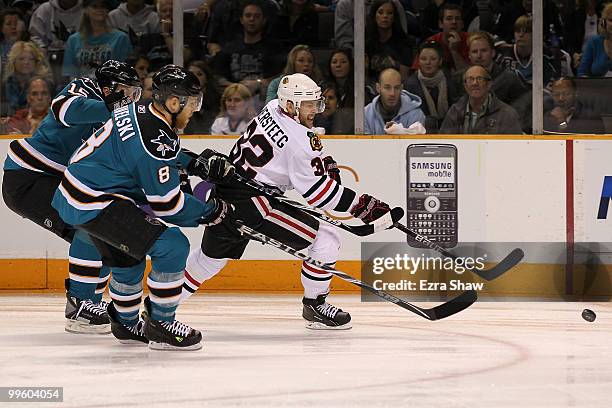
174,115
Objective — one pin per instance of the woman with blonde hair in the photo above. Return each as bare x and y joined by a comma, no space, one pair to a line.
596,58
300,60
25,60
236,111
95,42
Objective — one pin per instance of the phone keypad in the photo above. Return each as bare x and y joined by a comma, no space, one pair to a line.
437,227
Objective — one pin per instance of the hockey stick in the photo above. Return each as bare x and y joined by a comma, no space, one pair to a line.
461,302
513,258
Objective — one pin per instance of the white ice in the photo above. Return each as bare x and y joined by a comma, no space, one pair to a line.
257,353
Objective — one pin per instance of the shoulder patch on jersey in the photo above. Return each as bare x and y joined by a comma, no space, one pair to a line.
163,146
315,141
142,109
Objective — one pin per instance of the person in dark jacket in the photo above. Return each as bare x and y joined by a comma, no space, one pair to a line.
568,114
480,112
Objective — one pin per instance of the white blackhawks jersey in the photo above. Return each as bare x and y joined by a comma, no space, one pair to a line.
278,151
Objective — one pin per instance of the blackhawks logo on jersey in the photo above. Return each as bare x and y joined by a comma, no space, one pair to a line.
315,141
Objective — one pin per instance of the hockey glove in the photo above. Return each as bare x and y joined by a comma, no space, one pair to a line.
369,209
218,214
212,166
331,168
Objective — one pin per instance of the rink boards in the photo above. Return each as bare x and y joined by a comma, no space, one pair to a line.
510,190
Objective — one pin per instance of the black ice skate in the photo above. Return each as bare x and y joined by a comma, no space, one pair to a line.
320,315
169,335
126,334
85,316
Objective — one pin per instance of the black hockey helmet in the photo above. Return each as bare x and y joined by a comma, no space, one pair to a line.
172,80
112,73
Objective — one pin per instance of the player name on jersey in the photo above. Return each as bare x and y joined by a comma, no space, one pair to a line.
272,129
124,123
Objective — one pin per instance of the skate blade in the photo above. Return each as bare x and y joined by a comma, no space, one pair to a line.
320,326
168,347
129,342
79,327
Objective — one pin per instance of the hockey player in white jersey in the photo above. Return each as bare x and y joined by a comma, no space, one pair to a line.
279,149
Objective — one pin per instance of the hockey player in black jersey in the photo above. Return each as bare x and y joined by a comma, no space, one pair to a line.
279,149
34,167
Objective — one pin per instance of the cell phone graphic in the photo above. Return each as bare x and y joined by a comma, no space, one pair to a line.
432,193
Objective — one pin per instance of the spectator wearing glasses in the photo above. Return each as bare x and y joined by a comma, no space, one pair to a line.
480,111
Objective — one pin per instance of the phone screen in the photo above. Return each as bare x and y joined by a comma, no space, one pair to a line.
432,193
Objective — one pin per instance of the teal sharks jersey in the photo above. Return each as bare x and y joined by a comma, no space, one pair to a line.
134,156
75,113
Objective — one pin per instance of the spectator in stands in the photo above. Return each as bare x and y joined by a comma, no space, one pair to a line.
157,46
431,84
26,8
201,121
236,111
297,23
340,71
95,43
12,28
335,120
300,60
481,51
53,22
141,65
134,18
147,87
26,121
385,36
228,13
344,22
581,25
252,59
518,56
480,111
392,105
568,114
452,38
25,60
596,59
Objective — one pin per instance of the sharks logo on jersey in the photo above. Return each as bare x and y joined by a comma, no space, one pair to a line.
165,143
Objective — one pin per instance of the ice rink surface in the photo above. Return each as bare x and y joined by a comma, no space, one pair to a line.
257,353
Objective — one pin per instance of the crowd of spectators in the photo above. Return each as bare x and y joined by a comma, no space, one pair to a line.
455,66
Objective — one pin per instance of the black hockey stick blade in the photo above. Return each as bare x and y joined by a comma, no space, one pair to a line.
512,259
496,271
442,311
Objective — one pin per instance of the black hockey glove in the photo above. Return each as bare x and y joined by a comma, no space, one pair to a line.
212,166
331,168
184,180
221,211
369,209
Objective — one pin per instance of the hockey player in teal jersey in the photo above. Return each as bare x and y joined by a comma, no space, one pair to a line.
133,160
34,167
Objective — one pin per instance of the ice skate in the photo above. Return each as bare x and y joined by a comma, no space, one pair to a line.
320,315
126,334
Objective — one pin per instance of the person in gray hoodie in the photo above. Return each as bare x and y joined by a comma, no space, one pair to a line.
392,105
135,18
53,22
